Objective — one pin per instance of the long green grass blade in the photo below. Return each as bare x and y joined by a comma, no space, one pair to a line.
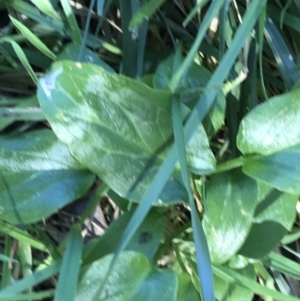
202,253
22,57
30,296
86,29
129,39
282,54
32,280
21,235
67,283
29,113
231,276
72,21
6,271
283,265
46,7
145,13
211,13
32,38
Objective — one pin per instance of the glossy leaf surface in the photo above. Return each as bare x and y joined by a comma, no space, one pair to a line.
129,271
274,216
117,127
158,285
271,127
230,205
280,170
38,177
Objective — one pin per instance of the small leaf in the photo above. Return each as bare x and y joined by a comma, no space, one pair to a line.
117,127
38,177
130,269
158,285
271,127
230,204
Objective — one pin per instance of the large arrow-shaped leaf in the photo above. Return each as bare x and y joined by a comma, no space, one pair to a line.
117,127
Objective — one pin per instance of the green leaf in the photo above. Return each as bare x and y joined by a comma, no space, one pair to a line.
272,126
46,7
232,276
71,20
189,88
230,205
32,38
146,240
38,177
186,289
274,216
117,127
145,12
280,170
31,280
158,285
71,52
230,292
67,283
130,269
282,54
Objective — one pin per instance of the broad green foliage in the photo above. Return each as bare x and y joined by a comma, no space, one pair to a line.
117,127
272,126
38,177
189,89
230,205
274,216
129,271
202,89
158,285
271,131
279,170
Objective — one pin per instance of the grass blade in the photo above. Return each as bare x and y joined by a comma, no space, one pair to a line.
202,253
145,13
32,38
21,235
67,283
32,280
282,54
232,277
46,7
72,21
22,57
